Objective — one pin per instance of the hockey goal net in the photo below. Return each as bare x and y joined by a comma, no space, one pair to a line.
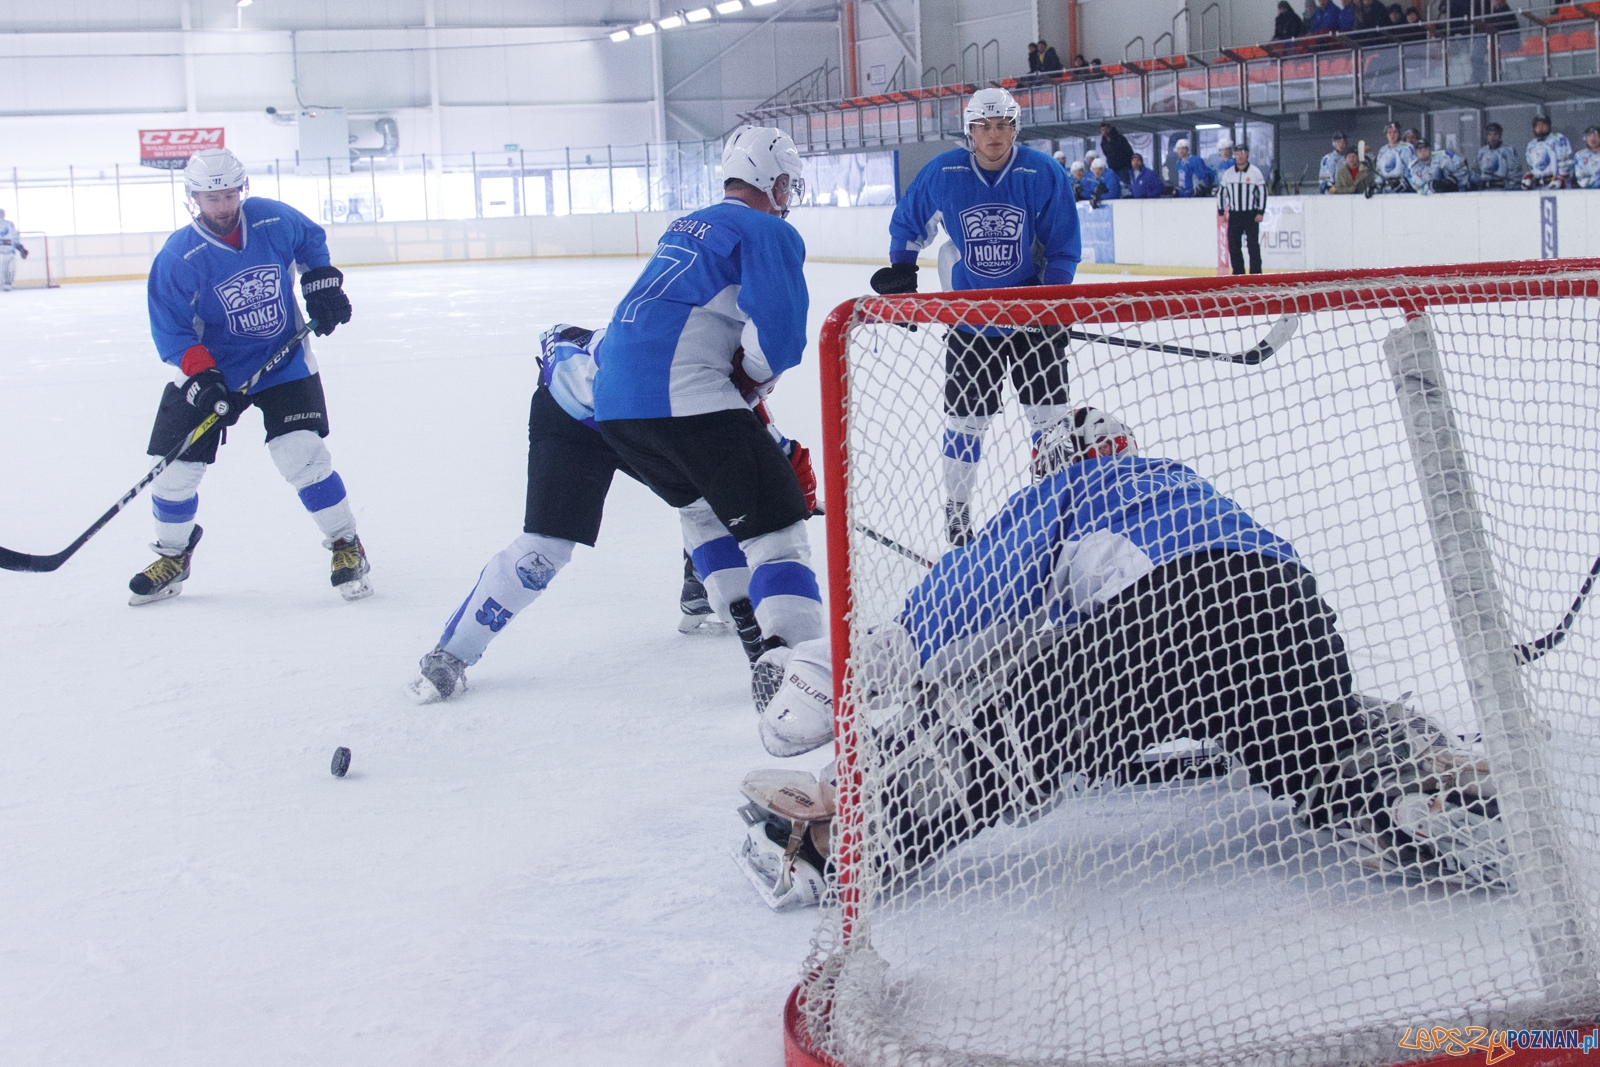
37,271
1159,814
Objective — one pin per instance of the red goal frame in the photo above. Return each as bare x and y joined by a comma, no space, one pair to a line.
1410,290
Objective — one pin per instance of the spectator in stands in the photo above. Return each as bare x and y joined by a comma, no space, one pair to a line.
1586,164
1049,62
1288,25
1410,136
1549,157
1458,17
1371,15
1143,183
1101,184
1079,62
1499,165
1076,173
1331,163
1439,171
1325,19
1394,161
1347,17
1095,70
1117,150
1501,19
1354,175
1416,28
1033,58
1191,175
1396,21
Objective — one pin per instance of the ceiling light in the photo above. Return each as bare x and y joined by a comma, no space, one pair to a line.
621,35
699,14
762,3
644,31
244,3
1208,126
730,7
671,22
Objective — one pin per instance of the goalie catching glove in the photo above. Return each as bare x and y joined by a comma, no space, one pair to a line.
323,289
786,845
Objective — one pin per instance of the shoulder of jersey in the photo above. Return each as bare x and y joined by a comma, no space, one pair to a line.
953,158
1032,157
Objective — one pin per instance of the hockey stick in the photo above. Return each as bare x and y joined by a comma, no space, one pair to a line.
1263,350
1529,651
889,542
22,561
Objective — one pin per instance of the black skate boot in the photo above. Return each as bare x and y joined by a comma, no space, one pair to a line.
749,630
350,568
957,522
698,617
165,577
439,675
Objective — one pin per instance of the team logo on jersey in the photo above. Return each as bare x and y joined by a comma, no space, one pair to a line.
253,299
992,239
534,571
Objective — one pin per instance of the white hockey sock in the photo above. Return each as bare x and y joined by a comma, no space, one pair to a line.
175,502
783,588
303,460
718,559
510,582
963,448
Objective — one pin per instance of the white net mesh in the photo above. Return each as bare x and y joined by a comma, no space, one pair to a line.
1127,780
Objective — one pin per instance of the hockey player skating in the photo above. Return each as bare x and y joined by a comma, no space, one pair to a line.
570,468
717,315
1119,603
1549,157
1013,221
10,248
1499,164
221,301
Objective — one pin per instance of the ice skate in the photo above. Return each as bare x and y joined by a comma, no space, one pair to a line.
957,522
439,675
350,568
698,616
165,577
749,630
785,850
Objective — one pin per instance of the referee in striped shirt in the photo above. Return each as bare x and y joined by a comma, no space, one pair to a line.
1242,197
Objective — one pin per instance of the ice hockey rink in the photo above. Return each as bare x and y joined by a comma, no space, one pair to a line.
536,873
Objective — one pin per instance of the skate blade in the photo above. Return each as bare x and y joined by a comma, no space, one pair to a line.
422,691
356,590
702,626
135,600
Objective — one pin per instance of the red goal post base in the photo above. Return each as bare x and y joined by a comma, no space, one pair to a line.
798,1050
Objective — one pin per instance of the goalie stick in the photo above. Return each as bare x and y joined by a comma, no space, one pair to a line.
22,561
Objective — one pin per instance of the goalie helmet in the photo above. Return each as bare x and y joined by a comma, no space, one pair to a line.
214,170
991,104
759,155
1088,433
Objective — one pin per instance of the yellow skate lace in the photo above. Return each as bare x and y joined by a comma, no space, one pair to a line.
164,569
347,556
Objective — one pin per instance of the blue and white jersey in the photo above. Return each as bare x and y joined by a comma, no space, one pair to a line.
1549,157
1194,172
1328,170
1586,169
1070,544
1501,163
994,217
238,302
1442,163
9,235
567,369
1394,161
723,278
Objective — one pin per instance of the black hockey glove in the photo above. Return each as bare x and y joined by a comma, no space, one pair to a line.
208,392
323,288
895,279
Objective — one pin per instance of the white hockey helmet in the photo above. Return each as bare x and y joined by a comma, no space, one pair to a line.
991,104
213,170
1088,433
759,155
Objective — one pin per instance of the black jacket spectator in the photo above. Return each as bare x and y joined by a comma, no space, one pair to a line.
1033,58
1115,147
1501,19
1048,60
1288,24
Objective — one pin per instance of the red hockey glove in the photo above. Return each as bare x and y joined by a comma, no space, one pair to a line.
800,460
748,387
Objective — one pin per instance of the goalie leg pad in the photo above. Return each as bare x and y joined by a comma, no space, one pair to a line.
797,714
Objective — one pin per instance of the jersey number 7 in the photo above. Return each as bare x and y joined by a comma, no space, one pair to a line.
659,274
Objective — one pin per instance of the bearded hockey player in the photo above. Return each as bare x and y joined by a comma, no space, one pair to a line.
1013,221
1123,602
717,315
570,468
221,302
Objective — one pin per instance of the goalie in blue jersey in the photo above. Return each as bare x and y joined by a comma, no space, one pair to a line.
1120,603
1013,221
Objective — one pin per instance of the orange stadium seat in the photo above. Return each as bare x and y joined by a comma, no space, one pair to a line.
1580,40
1337,66
1558,42
1564,13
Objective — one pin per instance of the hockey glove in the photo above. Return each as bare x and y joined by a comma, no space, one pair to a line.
323,288
208,392
895,279
800,460
753,391
23,250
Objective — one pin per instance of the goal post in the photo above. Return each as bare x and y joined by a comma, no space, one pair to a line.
38,271
1026,876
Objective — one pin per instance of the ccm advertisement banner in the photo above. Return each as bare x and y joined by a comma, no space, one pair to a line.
171,149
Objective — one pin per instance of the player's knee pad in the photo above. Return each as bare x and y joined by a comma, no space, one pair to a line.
718,559
178,481
301,458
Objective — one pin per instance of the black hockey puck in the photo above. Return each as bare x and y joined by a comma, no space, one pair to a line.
341,762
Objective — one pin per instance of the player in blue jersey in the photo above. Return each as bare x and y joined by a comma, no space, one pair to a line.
717,315
1013,221
1328,169
570,468
221,303
1120,603
1499,164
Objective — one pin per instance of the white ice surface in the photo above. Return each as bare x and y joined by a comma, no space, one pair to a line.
537,873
